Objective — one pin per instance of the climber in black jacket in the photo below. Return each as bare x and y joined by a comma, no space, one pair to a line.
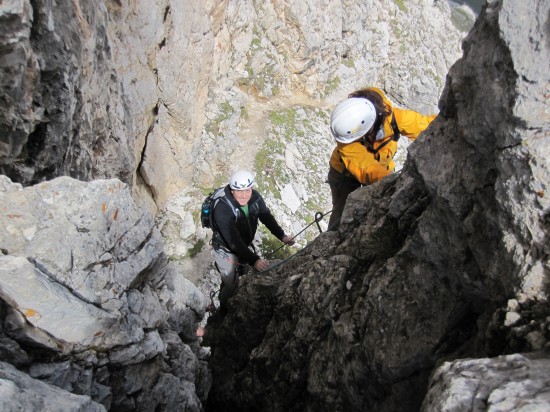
235,221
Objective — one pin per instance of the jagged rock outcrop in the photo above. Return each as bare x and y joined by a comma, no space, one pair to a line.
448,259
22,393
89,303
509,383
100,89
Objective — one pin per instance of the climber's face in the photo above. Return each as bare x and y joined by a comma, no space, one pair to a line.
242,196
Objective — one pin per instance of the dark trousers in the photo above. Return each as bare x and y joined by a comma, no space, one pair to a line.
340,188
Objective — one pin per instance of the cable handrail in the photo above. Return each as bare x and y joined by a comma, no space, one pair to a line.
318,217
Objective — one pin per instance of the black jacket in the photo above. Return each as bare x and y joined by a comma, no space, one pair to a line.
232,229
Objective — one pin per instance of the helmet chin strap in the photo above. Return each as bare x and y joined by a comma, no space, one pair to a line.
376,132
379,134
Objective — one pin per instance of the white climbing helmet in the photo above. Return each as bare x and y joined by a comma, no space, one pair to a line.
241,180
351,119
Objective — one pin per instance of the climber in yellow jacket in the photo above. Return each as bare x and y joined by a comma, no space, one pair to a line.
366,128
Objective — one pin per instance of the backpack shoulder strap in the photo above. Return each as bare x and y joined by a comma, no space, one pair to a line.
219,195
395,137
396,132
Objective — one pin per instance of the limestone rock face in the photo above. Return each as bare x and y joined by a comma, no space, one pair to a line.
90,304
16,387
65,101
86,82
111,111
155,93
172,97
507,383
448,259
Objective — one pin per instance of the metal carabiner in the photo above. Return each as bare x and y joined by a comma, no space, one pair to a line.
318,218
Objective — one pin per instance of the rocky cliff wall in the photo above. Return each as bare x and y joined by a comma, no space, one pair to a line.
93,316
167,97
448,259
85,83
170,97
154,93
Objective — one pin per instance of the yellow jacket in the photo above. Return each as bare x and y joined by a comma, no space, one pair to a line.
368,167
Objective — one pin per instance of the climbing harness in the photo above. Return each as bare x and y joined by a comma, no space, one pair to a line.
211,308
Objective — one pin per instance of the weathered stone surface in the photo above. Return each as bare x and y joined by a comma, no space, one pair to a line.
505,383
106,243
19,392
85,294
149,347
183,301
448,259
10,349
60,119
166,96
67,375
38,297
18,80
